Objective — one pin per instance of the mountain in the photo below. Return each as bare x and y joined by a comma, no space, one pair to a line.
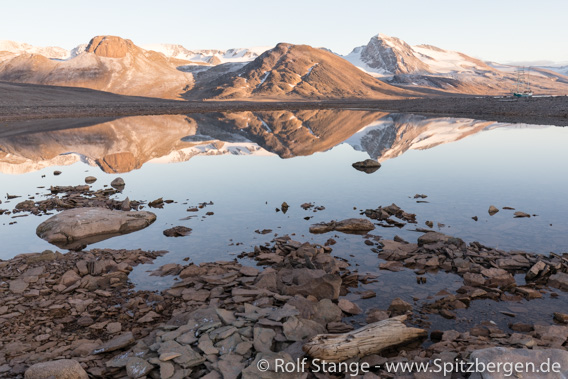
107,63
211,57
563,70
425,66
386,55
18,48
295,72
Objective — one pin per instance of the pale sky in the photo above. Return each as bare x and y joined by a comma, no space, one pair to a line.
497,30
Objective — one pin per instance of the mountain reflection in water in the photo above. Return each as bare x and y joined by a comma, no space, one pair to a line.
125,144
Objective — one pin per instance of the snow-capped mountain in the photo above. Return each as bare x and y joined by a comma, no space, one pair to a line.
563,70
213,57
17,48
396,62
385,55
295,72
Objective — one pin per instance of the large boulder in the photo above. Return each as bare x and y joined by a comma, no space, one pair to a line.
507,359
61,369
78,227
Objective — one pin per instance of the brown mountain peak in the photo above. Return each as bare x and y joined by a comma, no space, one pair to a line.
109,46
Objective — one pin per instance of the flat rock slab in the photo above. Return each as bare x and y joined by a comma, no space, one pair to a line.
522,357
61,369
350,225
79,227
116,343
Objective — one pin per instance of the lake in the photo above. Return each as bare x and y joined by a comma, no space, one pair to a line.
248,163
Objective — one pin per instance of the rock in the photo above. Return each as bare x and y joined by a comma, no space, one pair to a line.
188,357
374,315
559,280
326,311
500,356
521,214
447,314
432,238
69,278
473,280
561,317
118,184
226,316
60,369
368,166
125,205
114,327
137,367
77,227
399,306
539,269
349,307
56,172
230,366
18,286
148,317
177,231
350,225
521,327
263,339
116,343
299,329
310,282
167,370
498,277
492,210
90,179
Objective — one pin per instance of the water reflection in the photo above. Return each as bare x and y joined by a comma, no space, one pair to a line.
234,160
126,144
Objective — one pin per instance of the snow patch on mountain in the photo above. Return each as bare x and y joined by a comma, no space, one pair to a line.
18,48
212,56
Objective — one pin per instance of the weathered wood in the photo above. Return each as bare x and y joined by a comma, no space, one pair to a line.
370,339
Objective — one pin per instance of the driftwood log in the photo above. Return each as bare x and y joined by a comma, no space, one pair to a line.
370,339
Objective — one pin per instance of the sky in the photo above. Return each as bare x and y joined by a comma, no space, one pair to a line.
497,30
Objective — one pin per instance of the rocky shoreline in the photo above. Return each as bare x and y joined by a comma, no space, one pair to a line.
223,319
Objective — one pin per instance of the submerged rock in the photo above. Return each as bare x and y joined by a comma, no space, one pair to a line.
78,227
118,183
177,231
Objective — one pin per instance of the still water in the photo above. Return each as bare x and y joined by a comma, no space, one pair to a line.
248,163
